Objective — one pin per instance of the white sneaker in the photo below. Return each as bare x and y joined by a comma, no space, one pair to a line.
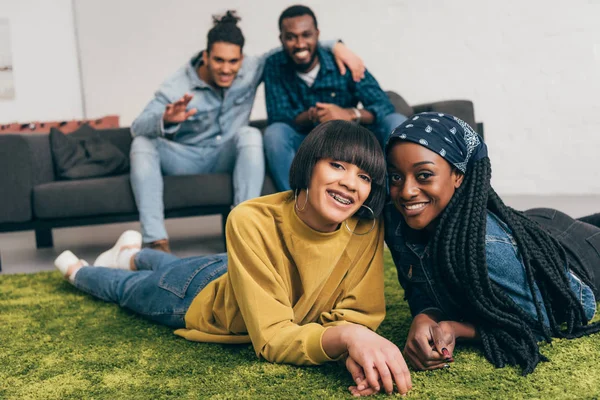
65,260
110,258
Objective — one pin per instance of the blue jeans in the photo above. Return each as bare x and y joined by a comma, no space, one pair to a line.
580,240
151,158
282,142
162,288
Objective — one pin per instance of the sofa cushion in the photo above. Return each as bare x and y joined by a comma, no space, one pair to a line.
462,109
198,190
113,195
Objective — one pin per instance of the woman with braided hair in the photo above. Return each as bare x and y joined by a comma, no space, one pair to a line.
472,267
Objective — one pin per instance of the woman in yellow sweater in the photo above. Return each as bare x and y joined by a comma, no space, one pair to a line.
302,278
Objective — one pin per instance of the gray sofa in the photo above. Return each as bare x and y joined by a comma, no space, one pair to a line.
33,199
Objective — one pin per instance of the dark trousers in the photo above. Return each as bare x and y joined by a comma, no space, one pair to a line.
579,238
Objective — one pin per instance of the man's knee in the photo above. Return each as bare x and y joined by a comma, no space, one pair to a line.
277,135
392,121
144,159
144,145
249,136
387,125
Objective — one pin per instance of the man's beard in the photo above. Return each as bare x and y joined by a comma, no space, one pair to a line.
303,67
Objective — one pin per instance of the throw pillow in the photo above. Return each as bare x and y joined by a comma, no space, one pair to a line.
85,154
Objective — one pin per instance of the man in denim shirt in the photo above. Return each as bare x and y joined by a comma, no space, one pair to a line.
303,89
198,123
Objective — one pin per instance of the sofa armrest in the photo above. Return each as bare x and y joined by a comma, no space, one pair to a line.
16,179
462,109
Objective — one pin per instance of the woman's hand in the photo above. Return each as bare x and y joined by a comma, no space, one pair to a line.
374,362
429,344
358,376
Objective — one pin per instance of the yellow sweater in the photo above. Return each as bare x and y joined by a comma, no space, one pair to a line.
286,283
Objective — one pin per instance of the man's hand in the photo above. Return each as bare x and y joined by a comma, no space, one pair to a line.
176,113
312,115
344,57
375,363
429,345
327,112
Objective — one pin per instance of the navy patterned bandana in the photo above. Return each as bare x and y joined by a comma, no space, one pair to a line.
444,134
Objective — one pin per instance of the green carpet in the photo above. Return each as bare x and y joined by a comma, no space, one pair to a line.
57,343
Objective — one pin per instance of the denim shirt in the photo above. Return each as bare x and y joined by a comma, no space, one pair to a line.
220,112
505,268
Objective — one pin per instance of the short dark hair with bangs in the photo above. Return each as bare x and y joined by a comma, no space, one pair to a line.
348,142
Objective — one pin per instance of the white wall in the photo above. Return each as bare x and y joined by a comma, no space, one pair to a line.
532,68
45,69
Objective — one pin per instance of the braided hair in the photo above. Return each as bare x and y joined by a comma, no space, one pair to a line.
225,29
458,251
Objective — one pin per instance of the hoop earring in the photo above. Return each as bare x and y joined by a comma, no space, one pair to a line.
296,200
367,232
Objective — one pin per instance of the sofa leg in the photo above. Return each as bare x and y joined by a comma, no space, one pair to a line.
43,238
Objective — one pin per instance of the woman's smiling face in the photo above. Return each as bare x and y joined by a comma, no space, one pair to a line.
422,183
337,190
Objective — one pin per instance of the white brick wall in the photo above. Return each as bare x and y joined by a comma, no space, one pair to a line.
532,68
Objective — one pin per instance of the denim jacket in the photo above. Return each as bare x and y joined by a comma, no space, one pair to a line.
220,113
505,268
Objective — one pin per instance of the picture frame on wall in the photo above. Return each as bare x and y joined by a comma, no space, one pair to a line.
7,86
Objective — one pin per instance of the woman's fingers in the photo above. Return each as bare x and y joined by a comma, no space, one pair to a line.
372,377
393,369
412,358
421,348
385,375
437,366
355,370
442,341
369,391
401,374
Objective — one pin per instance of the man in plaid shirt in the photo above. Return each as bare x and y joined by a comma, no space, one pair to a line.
304,88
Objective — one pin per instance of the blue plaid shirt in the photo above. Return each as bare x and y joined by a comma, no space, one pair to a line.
287,95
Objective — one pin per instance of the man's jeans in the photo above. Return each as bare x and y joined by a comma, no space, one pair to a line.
151,158
162,289
282,142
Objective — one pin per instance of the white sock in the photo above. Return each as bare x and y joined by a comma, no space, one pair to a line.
125,256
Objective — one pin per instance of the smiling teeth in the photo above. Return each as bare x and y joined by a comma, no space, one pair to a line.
414,206
340,198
